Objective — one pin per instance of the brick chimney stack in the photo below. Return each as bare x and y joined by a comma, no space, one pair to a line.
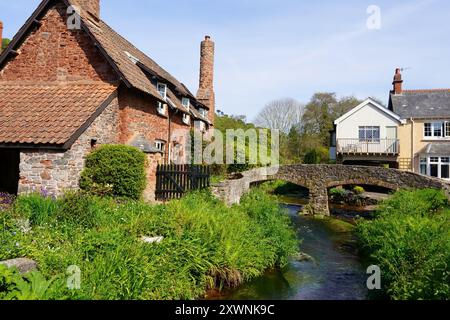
1,36
205,92
398,82
91,6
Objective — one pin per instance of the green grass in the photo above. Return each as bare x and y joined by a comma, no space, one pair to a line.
206,244
410,241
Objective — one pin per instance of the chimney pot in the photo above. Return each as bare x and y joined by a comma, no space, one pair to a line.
398,82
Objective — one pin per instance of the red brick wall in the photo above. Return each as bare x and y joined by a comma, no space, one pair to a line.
138,115
52,52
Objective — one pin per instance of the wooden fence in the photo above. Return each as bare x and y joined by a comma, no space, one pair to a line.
173,181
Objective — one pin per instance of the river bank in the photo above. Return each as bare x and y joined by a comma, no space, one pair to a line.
329,270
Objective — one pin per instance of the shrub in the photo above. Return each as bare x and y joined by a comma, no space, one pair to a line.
115,170
410,242
358,190
78,209
338,192
317,156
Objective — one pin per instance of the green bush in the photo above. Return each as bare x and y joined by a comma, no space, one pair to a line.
317,156
206,245
358,190
410,242
115,170
338,192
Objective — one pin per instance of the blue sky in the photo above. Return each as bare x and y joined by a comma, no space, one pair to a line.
269,49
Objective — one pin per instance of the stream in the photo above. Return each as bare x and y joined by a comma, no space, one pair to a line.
334,273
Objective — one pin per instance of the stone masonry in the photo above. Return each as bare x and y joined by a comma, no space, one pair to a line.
56,171
319,178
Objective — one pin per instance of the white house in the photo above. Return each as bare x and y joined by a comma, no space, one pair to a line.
367,135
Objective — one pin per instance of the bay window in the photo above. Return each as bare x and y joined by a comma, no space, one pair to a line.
438,167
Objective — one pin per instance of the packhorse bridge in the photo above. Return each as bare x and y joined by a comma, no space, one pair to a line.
318,179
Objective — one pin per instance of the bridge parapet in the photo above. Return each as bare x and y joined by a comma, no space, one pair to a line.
319,178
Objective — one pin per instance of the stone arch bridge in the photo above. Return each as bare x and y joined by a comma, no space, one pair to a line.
319,178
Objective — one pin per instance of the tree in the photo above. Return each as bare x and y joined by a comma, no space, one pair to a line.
321,112
280,115
5,44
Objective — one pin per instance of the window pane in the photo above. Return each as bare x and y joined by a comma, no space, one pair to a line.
376,133
428,132
437,129
434,170
362,133
423,169
445,160
445,171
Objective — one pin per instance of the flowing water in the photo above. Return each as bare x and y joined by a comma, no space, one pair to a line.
335,271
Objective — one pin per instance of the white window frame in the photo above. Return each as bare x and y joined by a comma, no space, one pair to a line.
435,125
186,119
186,105
158,85
162,108
369,140
160,145
426,160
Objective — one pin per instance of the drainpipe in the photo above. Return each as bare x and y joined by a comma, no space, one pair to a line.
412,146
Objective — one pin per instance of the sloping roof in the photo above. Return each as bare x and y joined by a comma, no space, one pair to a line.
117,51
137,73
421,103
437,148
49,114
369,101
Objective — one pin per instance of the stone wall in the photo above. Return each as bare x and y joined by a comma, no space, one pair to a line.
319,178
56,171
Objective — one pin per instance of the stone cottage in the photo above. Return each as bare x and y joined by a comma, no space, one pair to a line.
68,83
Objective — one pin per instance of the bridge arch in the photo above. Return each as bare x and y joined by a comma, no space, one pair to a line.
319,178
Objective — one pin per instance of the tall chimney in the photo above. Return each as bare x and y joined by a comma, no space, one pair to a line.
1,36
90,6
205,92
398,82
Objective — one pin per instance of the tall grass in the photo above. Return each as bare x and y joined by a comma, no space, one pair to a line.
410,241
206,244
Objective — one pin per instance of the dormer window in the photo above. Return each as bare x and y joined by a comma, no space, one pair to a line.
203,112
186,103
162,108
186,119
162,89
131,57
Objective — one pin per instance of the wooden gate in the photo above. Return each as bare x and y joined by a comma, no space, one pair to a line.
174,181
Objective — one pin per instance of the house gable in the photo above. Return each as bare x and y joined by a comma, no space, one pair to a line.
52,52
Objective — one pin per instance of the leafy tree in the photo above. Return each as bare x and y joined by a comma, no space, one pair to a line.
5,44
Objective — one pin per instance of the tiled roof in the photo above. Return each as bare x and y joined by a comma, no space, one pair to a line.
437,148
422,103
47,113
119,49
